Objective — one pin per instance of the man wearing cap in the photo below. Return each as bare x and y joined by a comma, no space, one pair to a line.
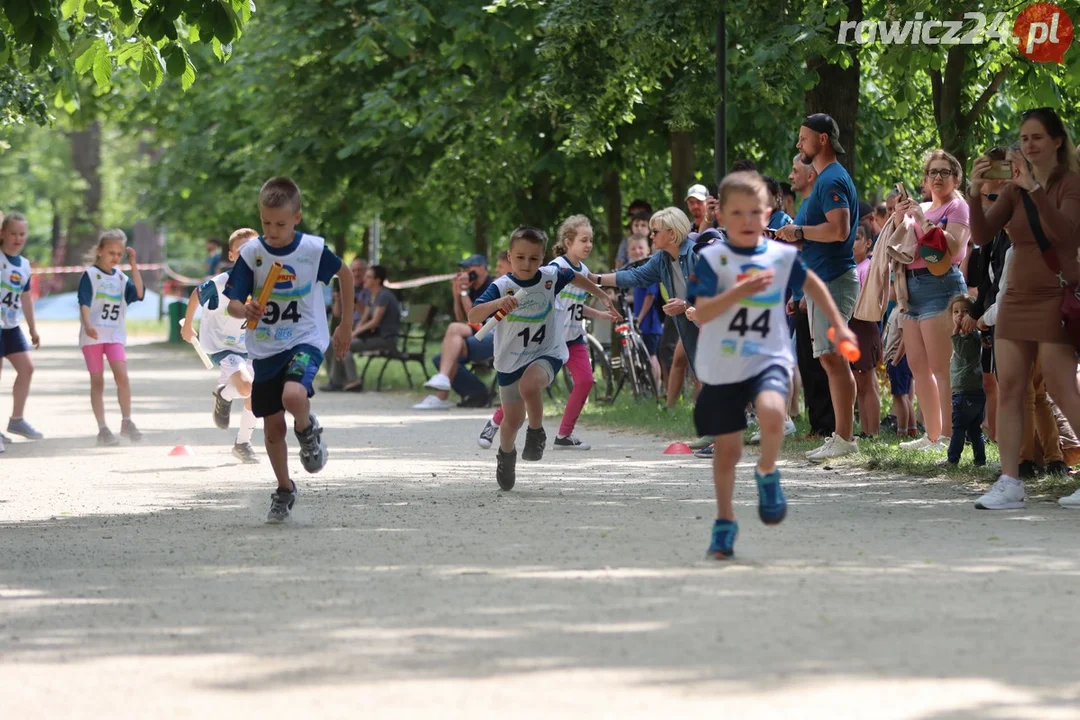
828,236
696,197
459,346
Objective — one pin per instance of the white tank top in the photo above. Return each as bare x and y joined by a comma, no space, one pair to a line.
752,334
295,313
108,308
534,329
13,277
219,331
571,301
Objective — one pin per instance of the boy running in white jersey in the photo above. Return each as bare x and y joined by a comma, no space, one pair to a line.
287,343
222,337
530,342
744,350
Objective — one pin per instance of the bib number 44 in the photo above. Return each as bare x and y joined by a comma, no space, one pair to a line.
742,325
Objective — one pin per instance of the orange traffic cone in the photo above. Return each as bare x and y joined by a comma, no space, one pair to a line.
678,448
181,450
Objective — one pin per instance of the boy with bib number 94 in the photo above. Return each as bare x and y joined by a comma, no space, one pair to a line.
286,346
744,350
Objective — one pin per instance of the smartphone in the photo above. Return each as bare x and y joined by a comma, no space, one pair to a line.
770,233
999,170
903,192
713,189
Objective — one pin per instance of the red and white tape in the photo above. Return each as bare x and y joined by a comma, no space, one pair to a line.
65,269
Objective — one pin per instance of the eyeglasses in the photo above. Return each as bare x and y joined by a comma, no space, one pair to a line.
654,231
939,173
990,196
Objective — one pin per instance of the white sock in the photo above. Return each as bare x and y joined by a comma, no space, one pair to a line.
230,393
247,426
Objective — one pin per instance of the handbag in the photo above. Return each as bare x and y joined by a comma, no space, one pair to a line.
1070,291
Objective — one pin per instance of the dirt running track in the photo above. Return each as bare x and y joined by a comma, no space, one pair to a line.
138,585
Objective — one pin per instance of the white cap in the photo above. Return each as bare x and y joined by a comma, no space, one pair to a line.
697,191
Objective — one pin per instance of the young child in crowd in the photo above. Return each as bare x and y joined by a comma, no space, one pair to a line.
968,393
896,367
647,304
869,335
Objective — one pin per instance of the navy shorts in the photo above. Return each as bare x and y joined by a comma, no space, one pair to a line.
507,379
721,409
652,342
13,342
899,377
266,394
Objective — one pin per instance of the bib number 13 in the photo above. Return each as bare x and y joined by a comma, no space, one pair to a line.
274,312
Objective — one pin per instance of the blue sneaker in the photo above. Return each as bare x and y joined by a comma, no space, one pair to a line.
772,505
722,546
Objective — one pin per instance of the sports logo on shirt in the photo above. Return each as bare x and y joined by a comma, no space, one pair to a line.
548,284
285,278
765,299
16,278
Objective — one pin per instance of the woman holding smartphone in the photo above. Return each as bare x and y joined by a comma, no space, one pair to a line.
1029,320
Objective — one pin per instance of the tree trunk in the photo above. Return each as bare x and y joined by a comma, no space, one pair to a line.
953,124
365,244
480,234
613,211
85,222
837,91
341,245
682,166
149,244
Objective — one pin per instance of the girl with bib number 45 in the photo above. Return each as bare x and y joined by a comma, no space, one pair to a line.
530,344
15,301
104,294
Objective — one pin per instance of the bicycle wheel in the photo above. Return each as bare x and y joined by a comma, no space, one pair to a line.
643,370
603,386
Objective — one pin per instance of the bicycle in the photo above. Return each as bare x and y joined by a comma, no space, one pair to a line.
602,374
630,358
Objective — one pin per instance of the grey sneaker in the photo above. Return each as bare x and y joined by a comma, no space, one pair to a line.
244,451
105,437
487,435
5,439
128,430
222,408
21,427
313,452
281,503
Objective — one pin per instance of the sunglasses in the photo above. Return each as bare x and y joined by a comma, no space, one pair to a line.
990,196
654,231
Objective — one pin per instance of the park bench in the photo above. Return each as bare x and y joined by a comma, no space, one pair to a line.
416,329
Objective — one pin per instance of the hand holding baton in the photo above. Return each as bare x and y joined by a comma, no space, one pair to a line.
267,288
499,315
848,349
206,361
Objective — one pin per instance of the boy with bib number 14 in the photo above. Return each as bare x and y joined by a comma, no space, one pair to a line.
744,350
286,345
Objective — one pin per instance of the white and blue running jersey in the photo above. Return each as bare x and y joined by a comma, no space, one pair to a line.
14,281
107,296
753,333
571,302
534,329
219,331
295,314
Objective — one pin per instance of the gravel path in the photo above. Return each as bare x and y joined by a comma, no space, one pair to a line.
138,585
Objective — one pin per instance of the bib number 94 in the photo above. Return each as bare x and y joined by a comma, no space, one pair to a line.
275,313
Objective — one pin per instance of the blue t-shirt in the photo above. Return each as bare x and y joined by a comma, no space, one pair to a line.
779,219
86,290
833,189
651,324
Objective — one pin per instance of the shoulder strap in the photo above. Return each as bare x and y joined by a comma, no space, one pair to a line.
1049,256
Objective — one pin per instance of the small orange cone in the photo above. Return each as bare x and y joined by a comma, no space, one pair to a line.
678,448
181,450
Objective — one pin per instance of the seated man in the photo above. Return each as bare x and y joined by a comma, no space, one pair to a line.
378,328
459,346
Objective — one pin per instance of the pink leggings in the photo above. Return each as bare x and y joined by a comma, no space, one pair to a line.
95,355
581,371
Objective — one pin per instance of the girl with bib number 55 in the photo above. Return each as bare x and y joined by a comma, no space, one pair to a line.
104,294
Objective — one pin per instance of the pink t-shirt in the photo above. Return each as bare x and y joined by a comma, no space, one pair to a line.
956,210
862,269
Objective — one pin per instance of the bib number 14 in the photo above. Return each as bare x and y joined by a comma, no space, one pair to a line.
528,337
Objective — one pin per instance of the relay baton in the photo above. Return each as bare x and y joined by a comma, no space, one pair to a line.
847,348
499,315
267,288
198,349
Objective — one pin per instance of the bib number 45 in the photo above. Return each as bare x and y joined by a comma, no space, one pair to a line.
274,312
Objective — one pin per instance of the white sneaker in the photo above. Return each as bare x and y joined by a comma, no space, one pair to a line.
570,443
821,448
487,435
432,402
438,382
1006,494
789,430
917,444
1071,502
940,446
839,447
2,448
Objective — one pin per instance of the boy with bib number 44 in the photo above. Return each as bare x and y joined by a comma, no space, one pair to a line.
286,345
744,350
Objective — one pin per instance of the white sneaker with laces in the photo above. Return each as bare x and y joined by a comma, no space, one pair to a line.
789,430
839,447
924,443
941,445
432,402
820,449
1072,502
438,382
487,435
1006,494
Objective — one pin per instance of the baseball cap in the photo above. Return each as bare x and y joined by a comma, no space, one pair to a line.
934,250
697,191
474,261
823,123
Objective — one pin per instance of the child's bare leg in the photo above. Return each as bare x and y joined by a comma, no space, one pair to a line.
24,370
295,399
513,418
531,386
770,406
243,386
123,387
97,399
274,430
728,450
